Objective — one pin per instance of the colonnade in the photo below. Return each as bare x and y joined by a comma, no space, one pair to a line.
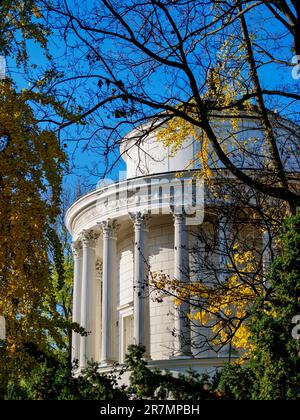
85,283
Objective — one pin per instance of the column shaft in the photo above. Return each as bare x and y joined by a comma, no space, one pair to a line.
98,341
223,242
181,273
139,284
266,252
88,303
140,281
77,252
109,279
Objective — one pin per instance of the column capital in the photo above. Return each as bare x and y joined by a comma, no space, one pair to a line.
77,249
89,238
109,228
140,220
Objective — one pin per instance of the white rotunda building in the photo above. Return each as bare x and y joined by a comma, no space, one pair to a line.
121,231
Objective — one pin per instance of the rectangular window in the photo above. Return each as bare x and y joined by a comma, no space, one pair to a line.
126,329
127,333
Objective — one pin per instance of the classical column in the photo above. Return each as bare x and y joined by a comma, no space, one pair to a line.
77,254
109,283
266,252
181,273
140,293
88,303
99,271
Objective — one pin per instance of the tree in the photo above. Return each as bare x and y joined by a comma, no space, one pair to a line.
31,169
272,372
51,379
230,254
30,186
147,384
288,13
20,23
275,361
190,63
197,69
178,67
61,281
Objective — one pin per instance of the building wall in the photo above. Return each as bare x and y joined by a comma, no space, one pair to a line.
154,158
125,270
124,305
199,258
161,258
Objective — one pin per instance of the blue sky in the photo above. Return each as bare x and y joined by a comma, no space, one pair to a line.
81,159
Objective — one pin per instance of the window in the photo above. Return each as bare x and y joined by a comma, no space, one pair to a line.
127,333
125,329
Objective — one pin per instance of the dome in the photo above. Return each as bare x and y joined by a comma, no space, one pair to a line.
150,156
245,145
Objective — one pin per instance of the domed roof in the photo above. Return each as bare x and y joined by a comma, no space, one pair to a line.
145,154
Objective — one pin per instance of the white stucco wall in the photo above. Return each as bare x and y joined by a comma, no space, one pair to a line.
161,258
152,157
125,270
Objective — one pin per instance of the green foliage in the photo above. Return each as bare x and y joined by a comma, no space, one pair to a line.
56,383
273,372
148,384
52,379
59,297
276,361
236,382
21,21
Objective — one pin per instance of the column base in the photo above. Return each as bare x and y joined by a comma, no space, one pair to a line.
182,356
